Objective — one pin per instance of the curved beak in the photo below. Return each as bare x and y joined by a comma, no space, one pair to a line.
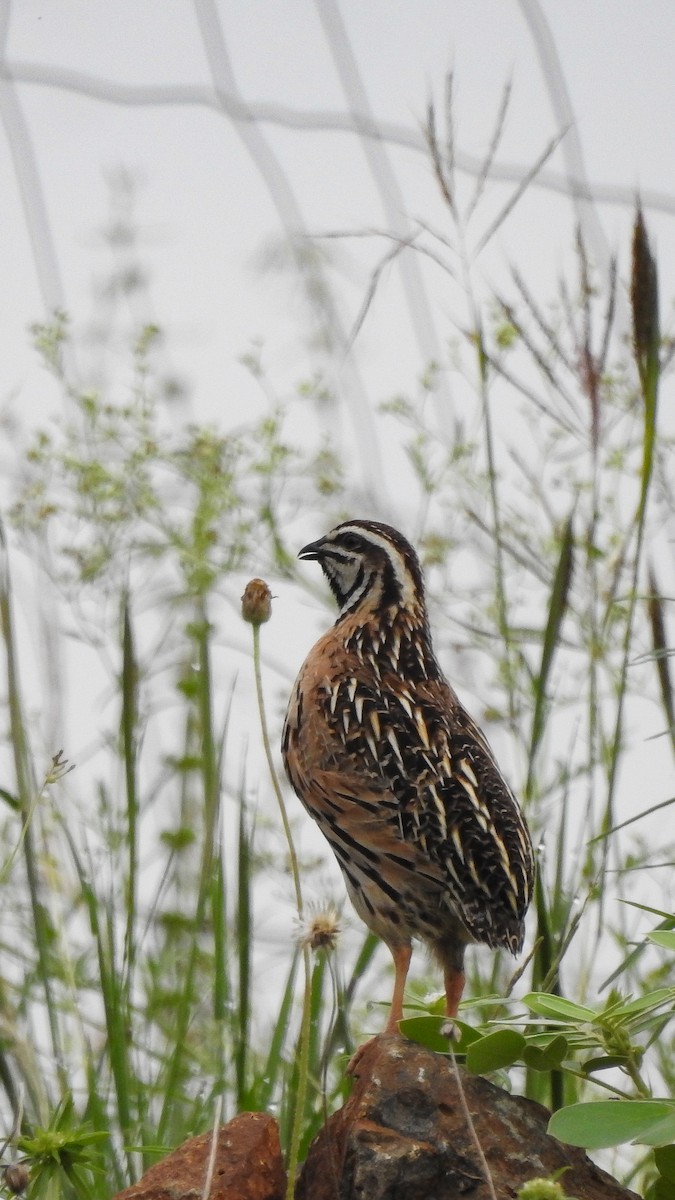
313,550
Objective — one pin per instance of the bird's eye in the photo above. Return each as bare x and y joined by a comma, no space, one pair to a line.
351,541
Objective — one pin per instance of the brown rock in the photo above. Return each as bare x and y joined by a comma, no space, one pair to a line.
403,1135
248,1166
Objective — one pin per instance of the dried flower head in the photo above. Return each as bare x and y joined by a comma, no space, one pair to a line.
256,602
320,929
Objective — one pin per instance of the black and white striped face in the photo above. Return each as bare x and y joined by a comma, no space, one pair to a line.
367,560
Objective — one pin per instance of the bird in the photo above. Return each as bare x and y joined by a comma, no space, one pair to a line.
400,779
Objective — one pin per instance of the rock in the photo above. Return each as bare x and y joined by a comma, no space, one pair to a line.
403,1135
248,1166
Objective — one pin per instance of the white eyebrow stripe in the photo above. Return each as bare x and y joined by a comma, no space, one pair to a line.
403,575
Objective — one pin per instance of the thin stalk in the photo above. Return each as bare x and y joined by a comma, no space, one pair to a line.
129,750
276,786
244,943
551,640
487,1174
593,707
340,1035
303,1076
270,1075
305,1025
493,478
220,988
318,976
213,1149
646,344
444,172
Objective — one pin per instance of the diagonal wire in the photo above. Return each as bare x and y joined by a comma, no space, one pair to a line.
391,197
29,182
109,91
579,189
290,215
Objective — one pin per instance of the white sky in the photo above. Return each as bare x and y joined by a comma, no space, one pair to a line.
203,208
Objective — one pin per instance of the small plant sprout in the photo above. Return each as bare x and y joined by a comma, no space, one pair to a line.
542,1189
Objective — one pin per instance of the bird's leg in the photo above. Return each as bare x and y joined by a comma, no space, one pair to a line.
401,955
454,986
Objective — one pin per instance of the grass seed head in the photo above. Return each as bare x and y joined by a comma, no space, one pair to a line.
320,929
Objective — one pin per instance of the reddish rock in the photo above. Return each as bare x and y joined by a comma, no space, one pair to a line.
248,1166
403,1135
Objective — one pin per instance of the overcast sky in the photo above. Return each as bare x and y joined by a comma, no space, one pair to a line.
94,87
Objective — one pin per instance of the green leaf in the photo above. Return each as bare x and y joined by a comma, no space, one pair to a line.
664,1157
548,1057
426,1031
643,1003
668,918
603,1062
608,1122
661,1189
10,799
499,1049
547,1005
663,937
661,1132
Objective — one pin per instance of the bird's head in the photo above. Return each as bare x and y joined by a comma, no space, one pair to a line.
368,564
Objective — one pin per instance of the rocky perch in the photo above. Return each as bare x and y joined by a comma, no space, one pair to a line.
402,1135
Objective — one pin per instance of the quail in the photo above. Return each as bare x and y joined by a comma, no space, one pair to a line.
429,837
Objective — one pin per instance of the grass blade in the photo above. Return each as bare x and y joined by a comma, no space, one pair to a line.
130,731
244,930
659,642
270,1076
557,608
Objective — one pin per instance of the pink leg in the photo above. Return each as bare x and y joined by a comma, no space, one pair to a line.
401,956
454,986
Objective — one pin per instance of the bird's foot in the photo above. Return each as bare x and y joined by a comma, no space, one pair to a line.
355,1060
356,1065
